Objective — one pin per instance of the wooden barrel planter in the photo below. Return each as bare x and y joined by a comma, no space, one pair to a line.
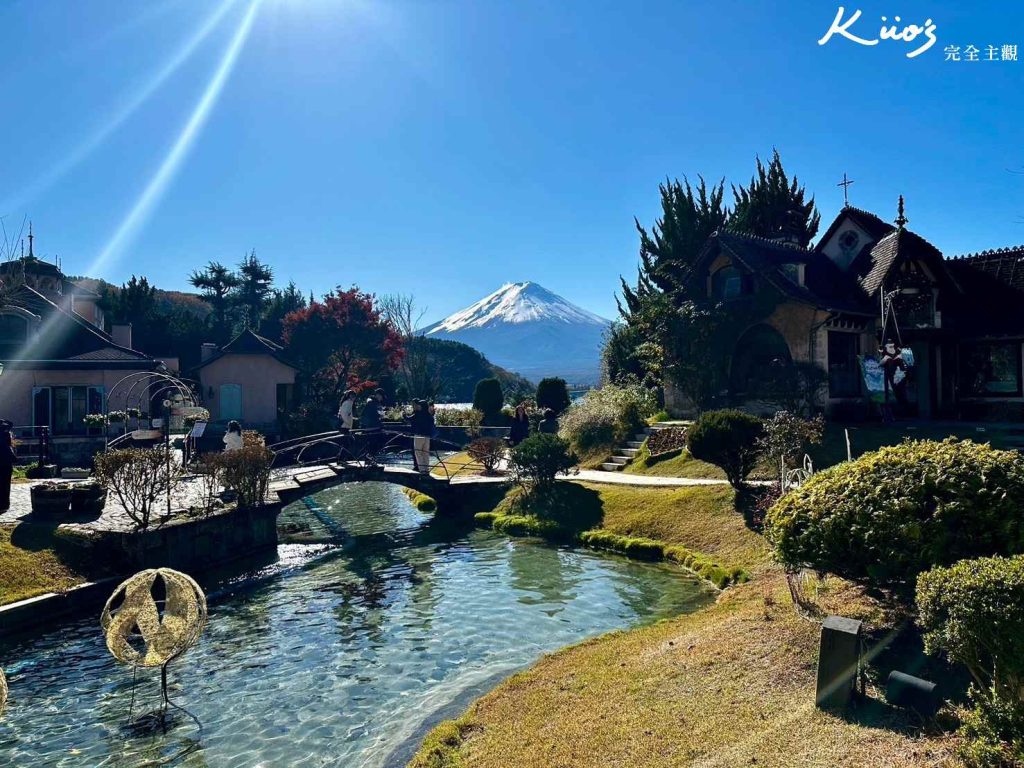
88,499
51,499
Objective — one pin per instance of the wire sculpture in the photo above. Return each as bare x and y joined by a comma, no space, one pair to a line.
796,477
137,632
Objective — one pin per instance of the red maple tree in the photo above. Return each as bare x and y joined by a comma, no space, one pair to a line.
342,342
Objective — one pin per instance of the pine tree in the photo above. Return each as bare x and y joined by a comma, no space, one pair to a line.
282,302
217,283
773,206
255,284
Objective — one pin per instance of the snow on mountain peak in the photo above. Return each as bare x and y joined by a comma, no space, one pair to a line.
516,303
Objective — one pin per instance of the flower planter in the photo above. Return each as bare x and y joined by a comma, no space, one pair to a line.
88,499
51,500
74,473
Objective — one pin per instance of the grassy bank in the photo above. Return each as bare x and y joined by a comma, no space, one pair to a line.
727,686
730,685
36,559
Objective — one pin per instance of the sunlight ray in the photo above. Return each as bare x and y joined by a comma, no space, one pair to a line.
179,150
80,152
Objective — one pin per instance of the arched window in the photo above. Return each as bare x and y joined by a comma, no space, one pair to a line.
760,351
730,283
13,329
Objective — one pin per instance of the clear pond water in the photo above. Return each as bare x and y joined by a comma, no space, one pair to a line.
342,660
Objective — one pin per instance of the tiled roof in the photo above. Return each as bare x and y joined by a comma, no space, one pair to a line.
873,226
248,343
900,243
68,337
824,284
1004,264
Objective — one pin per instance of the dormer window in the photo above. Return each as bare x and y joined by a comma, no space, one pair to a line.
13,329
730,283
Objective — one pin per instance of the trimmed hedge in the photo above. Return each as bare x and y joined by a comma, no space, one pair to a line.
893,514
974,611
421,501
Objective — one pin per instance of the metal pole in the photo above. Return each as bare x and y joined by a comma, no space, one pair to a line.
167,458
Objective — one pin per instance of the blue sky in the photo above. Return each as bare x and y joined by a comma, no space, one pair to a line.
443,148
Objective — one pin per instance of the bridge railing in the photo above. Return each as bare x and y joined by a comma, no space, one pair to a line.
367,449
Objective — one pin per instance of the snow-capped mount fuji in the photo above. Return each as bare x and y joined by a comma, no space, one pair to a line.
528,329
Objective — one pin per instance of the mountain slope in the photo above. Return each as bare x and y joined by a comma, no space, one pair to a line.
528,329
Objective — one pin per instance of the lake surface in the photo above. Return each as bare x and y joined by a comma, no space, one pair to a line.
342,658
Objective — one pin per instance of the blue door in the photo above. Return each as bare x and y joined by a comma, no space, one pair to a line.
231,402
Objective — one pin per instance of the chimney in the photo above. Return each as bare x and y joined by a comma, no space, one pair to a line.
208,350
121,333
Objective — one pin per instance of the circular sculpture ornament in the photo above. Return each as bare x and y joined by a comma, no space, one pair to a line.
3,692
138,632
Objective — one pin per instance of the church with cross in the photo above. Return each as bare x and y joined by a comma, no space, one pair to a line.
868,294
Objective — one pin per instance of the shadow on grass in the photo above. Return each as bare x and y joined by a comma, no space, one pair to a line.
753,502
903,651
573,507
77,552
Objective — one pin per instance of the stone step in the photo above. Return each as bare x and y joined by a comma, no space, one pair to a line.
635,444
621,460
631,452
610,467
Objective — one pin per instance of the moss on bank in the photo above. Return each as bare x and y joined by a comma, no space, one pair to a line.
421,501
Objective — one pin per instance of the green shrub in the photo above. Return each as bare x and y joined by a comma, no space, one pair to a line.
974,611
553,393
890,515
539,459
729,440
489,399
470,418
607,416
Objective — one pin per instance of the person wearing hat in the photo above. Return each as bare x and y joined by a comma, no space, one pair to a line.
7,458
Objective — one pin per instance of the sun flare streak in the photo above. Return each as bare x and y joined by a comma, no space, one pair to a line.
158,183
40,346
136,100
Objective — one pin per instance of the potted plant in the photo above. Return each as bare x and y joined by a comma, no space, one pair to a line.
88,498
74,473
51,499
117,417
95,420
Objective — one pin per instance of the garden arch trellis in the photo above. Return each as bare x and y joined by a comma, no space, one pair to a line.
165,382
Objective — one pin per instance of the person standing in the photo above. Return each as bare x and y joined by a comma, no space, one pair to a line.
346,411
520,427
549,424
233,437
7,458
422,422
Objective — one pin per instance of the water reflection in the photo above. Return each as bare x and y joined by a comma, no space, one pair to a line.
339,662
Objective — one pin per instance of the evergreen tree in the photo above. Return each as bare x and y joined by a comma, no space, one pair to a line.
283,301
253,289
217,283
553,393
667,253
773,206
489,399
135,303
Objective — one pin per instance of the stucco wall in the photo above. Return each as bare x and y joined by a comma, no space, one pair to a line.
258,376
16,389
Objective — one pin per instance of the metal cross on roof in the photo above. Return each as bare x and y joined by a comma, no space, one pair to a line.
845,184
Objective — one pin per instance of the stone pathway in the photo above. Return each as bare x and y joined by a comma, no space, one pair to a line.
113,518
641,481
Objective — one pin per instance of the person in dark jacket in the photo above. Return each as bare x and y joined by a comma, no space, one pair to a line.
549,424
7,458
369,417
422,424
520,428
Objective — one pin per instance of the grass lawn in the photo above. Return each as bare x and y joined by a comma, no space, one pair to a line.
863,438
35,559
729,685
